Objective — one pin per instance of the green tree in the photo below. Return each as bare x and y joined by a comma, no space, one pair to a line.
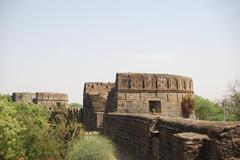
231,103
207,110
40,141
11,130
75,105
25,132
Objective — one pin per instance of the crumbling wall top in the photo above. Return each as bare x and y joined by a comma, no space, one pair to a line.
146,81
97,87
51,96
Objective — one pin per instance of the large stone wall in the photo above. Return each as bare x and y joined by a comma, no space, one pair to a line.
94,104
137,92
148,137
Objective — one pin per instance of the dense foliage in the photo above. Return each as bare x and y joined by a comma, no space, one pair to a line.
30,131
207,110
92,148
75,105
227,109
25,132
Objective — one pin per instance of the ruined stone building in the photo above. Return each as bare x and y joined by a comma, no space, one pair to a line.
144,93
94,103
47,99
135,93
123,108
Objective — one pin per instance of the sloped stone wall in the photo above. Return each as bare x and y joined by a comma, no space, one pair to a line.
130,132
149,137
94,104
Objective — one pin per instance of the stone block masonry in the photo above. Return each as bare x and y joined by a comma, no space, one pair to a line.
144,93
149,137
135,93
142,113
47,99
94,104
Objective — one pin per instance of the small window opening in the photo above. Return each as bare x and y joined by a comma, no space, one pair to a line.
143,84
129,83
155,106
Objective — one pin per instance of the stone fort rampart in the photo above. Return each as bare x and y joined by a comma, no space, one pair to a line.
142,114
148,137
143,93
94,103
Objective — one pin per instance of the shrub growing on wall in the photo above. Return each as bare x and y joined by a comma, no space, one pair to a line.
188,105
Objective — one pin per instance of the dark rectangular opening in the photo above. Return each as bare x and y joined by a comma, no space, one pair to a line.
155,106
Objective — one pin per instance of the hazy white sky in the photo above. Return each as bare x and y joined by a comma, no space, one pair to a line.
56,46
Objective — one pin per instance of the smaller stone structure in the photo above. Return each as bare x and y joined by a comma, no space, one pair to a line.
47,99
51,99
23,97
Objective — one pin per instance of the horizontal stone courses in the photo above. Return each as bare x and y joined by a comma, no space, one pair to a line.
53,100
132,115
212,128
154,74
154,91
159,138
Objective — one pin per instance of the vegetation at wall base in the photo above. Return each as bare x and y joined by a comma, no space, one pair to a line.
29,131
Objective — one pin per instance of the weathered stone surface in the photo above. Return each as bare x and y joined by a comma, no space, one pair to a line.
23,97
47,99
135,92
125,108
94,104
188,145
150,137
51,99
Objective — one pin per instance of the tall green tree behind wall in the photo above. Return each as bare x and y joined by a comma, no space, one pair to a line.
207,110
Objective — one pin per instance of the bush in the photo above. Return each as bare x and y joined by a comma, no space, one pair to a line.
92,148
25,132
